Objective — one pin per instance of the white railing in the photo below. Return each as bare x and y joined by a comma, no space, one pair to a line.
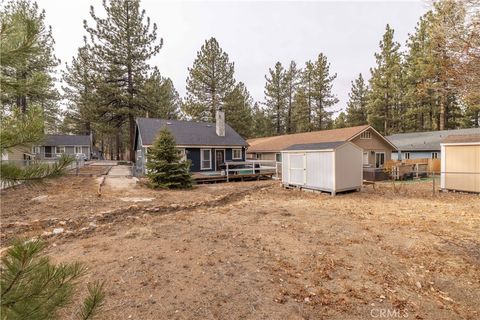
255,166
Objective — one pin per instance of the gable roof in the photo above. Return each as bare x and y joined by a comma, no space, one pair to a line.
426,141
188,133
66,140
316,146
461,138
277,143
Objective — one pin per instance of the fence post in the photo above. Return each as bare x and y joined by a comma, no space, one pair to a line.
433,183
226,169
76,162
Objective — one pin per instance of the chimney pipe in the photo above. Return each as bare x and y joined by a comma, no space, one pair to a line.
220,123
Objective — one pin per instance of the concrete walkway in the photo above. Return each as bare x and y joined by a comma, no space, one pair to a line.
120,177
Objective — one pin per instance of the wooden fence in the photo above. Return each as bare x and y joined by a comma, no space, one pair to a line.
433,165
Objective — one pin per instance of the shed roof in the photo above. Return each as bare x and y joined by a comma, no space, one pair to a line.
426,141
278,143
66,140
188,133
316,146
468,138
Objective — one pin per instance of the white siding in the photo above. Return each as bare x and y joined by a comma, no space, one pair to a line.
348,166
319,170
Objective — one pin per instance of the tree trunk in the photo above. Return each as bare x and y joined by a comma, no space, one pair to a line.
131,132
441,116
117,144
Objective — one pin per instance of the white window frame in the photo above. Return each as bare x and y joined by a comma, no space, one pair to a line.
79,148
435,155
258,156
276,157
36,149
202,159
366,135
183,154
58,149
406,155
233,154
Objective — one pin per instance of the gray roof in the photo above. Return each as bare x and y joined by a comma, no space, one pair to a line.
65,140
188,133
426,141
316,146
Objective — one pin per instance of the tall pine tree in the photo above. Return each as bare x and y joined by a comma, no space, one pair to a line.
276,97
385,85
161,98
122,44
210,81
238,110
292,78
357,105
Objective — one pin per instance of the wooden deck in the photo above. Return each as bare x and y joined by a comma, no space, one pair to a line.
202,178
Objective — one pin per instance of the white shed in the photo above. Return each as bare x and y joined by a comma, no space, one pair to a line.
329,166
460,166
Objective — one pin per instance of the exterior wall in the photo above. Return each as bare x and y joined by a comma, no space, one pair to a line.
69,150
17,154
193,154
348,167
263,156
416,154
461,167
375,144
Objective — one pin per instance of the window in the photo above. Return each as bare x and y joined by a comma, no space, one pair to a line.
86,151
278,157
183,154
60,149
236,154
379,159
434,155
205,159
258,156
406,155
36,150
366,135
78,149
365,158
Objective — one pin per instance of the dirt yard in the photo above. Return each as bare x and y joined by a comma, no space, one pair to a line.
253,250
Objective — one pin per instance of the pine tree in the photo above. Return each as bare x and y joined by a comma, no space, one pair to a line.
79,91
32,287
161,98
301,111
276,97
292,82
384,94
357,105
28,62
262,127
210,81
317,83
340,121
165,168
122,43
238,110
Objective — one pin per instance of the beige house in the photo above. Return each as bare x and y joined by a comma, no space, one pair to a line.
376,148
460,166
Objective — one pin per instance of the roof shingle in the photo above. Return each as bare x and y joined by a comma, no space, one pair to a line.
66,140
462,138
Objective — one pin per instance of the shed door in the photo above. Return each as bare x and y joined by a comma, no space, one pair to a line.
462,167
297,168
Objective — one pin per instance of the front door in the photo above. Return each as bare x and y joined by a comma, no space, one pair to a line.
219,159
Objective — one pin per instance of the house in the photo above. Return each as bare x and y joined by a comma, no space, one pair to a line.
376,148
54,145
460,164
328,166
207,145
418,145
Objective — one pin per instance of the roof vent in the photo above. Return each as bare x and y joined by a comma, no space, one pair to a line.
169,123
209,125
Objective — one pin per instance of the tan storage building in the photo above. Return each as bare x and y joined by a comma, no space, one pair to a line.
460,168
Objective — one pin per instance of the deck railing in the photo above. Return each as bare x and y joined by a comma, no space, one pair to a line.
252,167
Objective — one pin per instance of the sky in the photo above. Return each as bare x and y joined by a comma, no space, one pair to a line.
255,34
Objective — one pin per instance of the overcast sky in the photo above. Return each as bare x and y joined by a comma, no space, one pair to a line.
256,34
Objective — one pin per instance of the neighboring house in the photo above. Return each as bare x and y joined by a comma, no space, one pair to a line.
417,145
461,163
376,148
18,154
206,145
54,146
